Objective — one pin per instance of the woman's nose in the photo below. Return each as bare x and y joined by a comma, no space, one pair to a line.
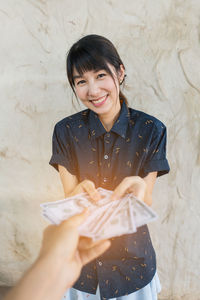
93,90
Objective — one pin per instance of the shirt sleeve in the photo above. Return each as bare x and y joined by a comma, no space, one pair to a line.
62,153
156,157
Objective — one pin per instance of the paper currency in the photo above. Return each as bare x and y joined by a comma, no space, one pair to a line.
141,212
106,219
119,222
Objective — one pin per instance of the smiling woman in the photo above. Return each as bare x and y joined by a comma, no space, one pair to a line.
113,146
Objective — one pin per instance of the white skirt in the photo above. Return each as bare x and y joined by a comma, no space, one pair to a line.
149,292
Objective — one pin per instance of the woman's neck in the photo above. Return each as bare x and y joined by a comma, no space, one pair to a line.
109,119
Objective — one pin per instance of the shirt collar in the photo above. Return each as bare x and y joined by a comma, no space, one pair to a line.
119,127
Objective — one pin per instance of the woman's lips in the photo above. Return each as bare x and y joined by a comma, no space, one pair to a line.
100,101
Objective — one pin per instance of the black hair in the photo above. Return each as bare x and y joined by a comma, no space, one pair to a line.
93,52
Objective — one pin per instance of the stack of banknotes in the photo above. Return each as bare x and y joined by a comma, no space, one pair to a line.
106,219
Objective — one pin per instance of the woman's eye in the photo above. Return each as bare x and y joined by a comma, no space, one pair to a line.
80,82
101,75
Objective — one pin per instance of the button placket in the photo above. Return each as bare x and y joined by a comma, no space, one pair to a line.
106,158
106,145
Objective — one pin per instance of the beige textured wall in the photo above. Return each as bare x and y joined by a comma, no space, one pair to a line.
159,41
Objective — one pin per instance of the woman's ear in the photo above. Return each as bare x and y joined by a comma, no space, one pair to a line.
121,74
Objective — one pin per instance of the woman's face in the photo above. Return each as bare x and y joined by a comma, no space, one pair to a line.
98,91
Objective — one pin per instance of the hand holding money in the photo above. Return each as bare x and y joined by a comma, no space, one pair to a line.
63,244
62,256
107,218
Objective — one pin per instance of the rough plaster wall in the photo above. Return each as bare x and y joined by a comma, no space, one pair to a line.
159,44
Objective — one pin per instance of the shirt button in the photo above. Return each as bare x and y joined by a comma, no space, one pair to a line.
106,156
105,179
100,263
108,134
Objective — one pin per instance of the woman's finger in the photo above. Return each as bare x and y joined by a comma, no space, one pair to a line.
121,189
78,190
130,184
89,187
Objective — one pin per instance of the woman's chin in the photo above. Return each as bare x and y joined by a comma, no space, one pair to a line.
101,110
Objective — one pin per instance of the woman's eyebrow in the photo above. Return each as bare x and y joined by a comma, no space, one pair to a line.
77,76
94,71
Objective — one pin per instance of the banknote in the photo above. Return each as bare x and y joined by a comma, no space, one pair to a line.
118,223
106,219
141,212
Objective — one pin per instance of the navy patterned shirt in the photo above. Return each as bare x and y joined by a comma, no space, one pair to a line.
135,146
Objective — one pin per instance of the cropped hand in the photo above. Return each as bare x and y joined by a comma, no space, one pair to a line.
62,255
132,184
62,244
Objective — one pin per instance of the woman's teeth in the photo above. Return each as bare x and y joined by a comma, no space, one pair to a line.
99,100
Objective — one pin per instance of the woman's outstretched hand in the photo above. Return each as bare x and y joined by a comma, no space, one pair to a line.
86,186
133,184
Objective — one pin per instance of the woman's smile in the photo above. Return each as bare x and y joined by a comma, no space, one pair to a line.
99,101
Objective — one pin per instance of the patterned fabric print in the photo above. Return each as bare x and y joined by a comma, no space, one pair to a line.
149,292
136,145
